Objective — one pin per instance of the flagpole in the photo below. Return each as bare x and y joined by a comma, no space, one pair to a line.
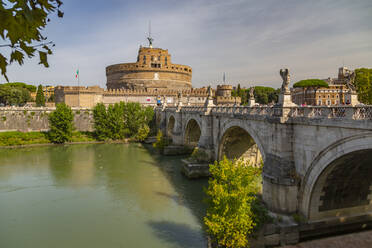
78,75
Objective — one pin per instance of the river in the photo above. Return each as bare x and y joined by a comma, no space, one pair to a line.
97,195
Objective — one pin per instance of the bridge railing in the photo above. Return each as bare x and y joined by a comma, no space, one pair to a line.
313,112
333,112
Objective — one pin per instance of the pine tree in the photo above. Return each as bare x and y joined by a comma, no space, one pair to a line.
40,99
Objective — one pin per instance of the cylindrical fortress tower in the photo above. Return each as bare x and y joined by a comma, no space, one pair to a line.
153,70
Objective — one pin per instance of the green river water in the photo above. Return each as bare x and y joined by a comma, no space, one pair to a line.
98,195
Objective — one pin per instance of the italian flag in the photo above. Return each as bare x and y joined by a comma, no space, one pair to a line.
77,73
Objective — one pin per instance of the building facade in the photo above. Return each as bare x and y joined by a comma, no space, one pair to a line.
335,94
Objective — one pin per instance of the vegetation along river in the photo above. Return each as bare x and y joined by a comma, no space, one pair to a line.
97,195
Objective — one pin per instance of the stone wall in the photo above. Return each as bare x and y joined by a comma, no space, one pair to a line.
36,119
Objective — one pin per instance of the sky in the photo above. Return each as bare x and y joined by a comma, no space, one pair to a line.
249,40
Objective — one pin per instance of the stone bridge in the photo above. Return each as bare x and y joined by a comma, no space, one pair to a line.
317,160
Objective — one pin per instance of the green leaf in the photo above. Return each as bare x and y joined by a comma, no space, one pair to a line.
3,64
16,56
43,58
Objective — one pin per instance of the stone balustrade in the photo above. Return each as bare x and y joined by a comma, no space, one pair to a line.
311,112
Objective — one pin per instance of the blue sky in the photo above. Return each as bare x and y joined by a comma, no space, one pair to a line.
249,40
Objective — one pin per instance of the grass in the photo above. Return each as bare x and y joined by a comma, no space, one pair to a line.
29,138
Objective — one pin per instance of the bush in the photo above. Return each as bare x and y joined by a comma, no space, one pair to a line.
121,120
143,132
161,141
61,124
234,210
199,155
40,99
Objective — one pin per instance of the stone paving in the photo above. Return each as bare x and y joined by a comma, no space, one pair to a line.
357,240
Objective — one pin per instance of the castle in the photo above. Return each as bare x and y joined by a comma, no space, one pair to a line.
152,80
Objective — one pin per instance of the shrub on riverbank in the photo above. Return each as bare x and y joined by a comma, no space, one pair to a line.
19,138
161,141
121,120
61,124
15,138
234,209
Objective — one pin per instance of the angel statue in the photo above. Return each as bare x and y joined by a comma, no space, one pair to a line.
251,93
286,80
350,79
209,91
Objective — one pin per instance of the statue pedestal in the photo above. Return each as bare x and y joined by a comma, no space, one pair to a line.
352,98
251,102
209,103
285,100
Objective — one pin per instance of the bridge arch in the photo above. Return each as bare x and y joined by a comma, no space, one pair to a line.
192,132
338,183
239,140
171,123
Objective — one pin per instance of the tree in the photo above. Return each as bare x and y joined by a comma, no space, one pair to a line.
143,132
13,95
121,120
311,84
21,24
363,83
30,88
40,99
234,211
265,95
61,124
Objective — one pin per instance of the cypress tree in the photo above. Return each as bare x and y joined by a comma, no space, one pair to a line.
40,99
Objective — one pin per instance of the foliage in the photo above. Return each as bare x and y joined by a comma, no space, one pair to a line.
52,98
262,95
61,124
234,210
40,99
19,138
10,95
363,83
199,155
21,23
121,120
315,83
266,95
136,115
29,87
29,138
161,141
143,132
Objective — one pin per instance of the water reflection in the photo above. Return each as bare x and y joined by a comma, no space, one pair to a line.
108,195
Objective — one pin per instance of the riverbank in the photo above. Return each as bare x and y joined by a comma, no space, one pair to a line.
16,139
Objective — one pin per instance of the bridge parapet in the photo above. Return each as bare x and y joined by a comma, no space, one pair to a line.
318,112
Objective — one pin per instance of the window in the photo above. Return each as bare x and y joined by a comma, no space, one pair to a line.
337,96
158,58
328,96
320,102
152,58
144,60
319,97
166,60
